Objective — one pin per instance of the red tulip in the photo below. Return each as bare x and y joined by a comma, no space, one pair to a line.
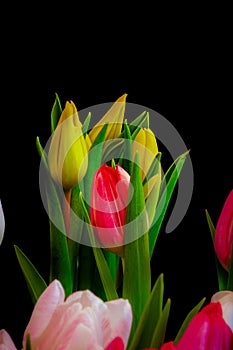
109,196
210,329
223,236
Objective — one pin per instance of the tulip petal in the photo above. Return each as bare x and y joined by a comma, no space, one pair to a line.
116,344
2,223
45,307
207,330
226,300
6,343
120,315
223,236
114,117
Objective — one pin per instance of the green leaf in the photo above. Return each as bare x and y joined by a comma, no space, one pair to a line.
60,267
161,327
55,113
222,274
36,284
167,187
142,121
127,149
136,260
86,123
187,320
150,317
28,342
101,262
42,153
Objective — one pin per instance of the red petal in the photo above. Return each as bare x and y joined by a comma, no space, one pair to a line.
116,344
224,234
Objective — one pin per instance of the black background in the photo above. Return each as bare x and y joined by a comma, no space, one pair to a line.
176,61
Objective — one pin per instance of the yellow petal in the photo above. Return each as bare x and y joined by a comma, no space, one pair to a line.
114,117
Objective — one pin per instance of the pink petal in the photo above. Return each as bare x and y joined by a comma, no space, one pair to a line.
6,343
120,315
82,339
44,309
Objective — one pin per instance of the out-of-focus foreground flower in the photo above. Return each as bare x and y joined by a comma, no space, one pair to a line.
2,223
109,198
82,321
223,236
6,342
211,328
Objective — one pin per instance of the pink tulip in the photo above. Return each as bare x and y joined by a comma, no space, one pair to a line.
223,236
109,196
6,342
82,321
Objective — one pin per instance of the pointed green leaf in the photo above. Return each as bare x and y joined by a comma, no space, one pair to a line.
41,153
167,187
222,274
36,284
55,113
86,124
142,121
188,319
59,262
136,260
149,318
161,327
28,342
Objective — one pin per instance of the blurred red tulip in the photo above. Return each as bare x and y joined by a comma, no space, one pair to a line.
223,236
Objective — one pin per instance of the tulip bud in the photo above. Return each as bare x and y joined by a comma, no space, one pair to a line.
114,118
223,236
67,155
109,196
146,145
2,223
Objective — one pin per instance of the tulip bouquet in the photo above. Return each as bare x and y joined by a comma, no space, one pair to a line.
106,196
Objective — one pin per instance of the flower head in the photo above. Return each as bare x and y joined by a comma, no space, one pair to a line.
67,154
109,196
209,328
82,321
223,236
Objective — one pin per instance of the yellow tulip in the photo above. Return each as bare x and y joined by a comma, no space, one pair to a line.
67,156
146,145
114,117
